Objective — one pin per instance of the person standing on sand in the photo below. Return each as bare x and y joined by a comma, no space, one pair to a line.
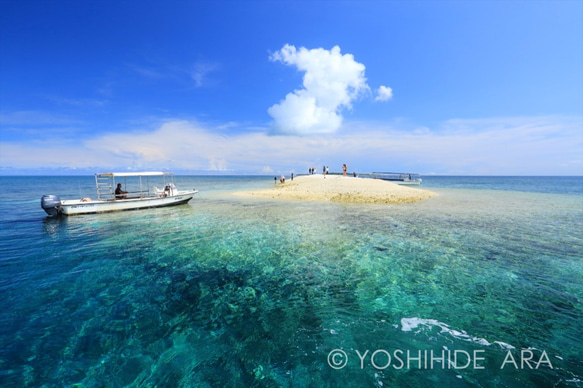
344,168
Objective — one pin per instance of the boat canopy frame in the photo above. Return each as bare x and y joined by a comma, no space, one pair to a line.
105,183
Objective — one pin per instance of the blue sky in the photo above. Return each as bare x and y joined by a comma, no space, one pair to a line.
270,87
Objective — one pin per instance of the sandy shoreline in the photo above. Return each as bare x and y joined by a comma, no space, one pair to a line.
342,189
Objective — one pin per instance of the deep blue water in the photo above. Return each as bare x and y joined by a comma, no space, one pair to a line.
240,291
534,184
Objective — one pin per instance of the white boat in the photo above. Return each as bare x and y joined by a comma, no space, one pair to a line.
134,192
400,178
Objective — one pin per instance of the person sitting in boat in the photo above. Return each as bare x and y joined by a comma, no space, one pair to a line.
119,193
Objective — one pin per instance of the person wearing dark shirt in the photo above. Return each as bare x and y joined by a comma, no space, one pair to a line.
119,193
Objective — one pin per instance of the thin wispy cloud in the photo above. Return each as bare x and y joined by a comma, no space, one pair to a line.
79,102
148,72
27,118
332,81
198,74
201,71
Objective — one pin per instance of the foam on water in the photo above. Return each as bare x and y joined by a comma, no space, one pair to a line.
410,324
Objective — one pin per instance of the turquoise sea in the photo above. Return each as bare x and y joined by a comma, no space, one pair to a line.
481,286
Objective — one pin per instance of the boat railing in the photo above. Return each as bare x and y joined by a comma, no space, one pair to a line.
106,183
138,194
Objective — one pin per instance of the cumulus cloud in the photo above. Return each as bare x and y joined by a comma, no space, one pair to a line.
331,82
384,93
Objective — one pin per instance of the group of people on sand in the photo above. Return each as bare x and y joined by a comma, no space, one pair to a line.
312,171
326,170
282,178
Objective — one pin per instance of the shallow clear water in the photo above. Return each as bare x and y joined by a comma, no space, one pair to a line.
238,291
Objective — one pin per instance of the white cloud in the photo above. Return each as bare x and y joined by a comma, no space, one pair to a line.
331,82
384,93
533,145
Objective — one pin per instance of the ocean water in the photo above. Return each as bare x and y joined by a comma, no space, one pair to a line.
481,286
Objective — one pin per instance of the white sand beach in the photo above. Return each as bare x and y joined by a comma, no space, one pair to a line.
347,189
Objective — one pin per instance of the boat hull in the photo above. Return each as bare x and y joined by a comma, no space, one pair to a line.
75,207
405,183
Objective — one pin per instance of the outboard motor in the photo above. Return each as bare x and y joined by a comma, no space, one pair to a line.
51,204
